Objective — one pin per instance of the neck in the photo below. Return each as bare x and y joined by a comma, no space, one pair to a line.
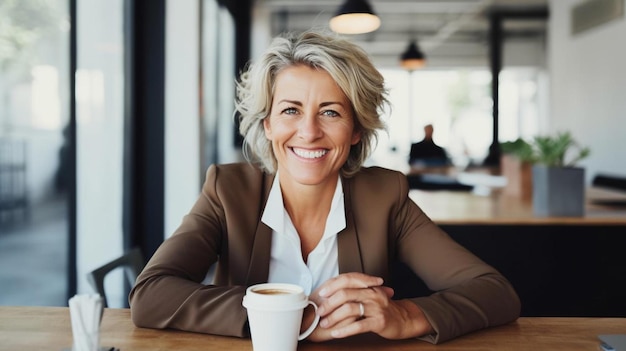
308,201
308,207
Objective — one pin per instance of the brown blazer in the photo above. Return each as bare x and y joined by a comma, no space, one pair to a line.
382,225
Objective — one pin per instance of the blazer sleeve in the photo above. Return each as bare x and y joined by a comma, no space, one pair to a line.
169,292
469,294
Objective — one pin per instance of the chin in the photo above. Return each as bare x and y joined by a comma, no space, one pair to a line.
308,180
311,175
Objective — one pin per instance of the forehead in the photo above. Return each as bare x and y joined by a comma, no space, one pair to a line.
303,79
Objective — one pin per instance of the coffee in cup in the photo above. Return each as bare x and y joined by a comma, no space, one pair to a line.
272,291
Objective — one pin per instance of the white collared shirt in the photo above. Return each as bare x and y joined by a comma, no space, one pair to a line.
286,263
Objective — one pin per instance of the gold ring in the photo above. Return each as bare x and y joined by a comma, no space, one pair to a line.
361,310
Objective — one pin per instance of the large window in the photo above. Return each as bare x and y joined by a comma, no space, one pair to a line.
37,153
34,115
218,83
459,104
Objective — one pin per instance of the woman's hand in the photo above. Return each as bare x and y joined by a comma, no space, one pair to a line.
342,299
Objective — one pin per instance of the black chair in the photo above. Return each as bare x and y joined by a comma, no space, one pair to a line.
610,182
436,182
132,263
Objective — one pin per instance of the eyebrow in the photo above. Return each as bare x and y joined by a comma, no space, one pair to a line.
290,102
323,104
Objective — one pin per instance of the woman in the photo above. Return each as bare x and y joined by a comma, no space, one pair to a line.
305,211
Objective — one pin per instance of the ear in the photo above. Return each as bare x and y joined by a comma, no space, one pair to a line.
356,137
267,127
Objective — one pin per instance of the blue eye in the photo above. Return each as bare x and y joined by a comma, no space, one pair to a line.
330,113
290,111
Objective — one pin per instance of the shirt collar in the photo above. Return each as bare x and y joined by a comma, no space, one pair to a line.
275,214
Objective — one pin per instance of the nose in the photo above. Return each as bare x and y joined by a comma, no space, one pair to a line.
310,128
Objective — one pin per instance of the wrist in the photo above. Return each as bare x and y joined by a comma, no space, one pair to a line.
419,324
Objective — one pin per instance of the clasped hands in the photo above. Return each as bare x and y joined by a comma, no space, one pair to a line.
356,303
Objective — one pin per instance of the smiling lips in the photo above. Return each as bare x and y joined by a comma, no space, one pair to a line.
311,154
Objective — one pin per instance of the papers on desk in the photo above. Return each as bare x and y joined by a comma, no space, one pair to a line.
482,183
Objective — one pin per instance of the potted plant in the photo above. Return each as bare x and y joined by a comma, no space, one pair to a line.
558,184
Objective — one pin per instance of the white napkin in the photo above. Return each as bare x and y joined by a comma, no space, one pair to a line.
85,311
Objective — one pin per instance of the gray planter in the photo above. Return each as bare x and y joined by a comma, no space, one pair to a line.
558,191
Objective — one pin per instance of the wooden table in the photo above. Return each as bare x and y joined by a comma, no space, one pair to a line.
466,208
48,328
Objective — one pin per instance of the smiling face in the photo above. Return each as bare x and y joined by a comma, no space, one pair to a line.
310,126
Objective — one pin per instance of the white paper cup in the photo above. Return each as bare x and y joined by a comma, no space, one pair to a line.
275,315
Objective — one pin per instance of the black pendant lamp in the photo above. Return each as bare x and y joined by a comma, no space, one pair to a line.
355,17
413,58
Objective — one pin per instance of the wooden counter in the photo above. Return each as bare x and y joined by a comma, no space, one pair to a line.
559,266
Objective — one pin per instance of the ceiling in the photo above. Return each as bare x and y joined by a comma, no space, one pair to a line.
448,32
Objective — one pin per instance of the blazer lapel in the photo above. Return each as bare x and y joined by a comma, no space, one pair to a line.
258,270
348,247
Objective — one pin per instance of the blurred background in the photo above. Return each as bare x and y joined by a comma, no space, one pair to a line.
111,110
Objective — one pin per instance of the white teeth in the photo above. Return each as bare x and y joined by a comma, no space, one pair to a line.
310,154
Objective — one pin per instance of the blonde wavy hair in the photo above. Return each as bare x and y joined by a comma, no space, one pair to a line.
348,65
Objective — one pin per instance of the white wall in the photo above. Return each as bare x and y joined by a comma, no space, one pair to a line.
182,115
588,80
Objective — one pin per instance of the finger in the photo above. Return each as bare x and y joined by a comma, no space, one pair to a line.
353,297
358,327
348,281
387,290
342,315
